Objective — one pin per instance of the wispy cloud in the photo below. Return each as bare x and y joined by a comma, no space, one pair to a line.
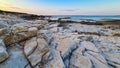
70,10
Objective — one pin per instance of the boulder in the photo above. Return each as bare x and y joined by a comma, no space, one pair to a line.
20,29
3,53
30,46
4,31
21,36
18,34
9,39
36,51
32,31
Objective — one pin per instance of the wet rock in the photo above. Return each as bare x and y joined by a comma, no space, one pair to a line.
3,53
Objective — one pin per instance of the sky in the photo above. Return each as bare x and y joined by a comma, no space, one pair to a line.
63,7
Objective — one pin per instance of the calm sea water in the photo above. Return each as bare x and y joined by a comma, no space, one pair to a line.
81,17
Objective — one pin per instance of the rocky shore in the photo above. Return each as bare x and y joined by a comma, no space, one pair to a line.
30,41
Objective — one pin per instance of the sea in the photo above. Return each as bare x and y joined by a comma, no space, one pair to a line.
88,17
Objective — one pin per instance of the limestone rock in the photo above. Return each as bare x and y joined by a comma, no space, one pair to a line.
9,39
3,53
30,46
39,50
113,59
39,26
4,31
20,29
64,45
25,24
32,31
97,60
89,46
78,60
18,34
4,24
56,61
21,36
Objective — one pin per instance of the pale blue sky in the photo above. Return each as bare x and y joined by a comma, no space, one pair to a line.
68,7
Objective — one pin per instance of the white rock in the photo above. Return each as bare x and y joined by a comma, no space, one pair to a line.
40,50
78,60
56,61
30,45
97,60
89,46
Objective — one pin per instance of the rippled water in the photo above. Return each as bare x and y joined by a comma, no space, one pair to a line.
83,17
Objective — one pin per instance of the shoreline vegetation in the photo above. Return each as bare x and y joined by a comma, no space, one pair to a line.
38,41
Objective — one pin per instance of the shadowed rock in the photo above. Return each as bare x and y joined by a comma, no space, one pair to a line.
3,53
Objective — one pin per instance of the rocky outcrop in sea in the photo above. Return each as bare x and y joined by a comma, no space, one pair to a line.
36,43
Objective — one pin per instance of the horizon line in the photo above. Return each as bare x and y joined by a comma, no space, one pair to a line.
62,14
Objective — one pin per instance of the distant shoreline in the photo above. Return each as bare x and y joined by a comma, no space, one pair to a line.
66,18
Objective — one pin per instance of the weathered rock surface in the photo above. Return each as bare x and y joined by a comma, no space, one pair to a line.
78,60
17,34
16,58
55,60
35,49
38,43
3,53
